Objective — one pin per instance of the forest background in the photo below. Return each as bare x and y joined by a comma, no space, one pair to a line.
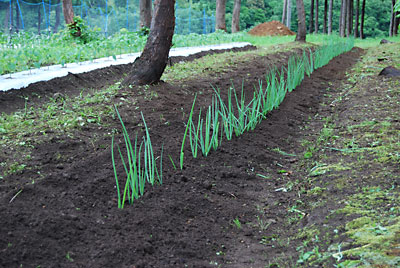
193,16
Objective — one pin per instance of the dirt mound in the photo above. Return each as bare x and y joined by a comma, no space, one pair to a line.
390,71
271,28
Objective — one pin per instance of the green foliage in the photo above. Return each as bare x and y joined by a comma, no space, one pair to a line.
140,165
23,51
236,115
144,31
80,31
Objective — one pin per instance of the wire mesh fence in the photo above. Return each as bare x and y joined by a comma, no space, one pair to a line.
107,16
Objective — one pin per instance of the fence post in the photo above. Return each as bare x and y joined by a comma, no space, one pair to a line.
212,24
134,20
190,21
45,15
176,18
20,14
204,21
127,19
49,15
86,15
106,18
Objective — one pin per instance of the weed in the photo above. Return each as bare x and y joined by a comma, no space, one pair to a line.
237,223
68,257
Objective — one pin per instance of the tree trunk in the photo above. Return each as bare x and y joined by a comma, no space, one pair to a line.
392,18
289,13
149,67
342,23
145,13
316,16
325,16
284,11
312,16
57,23
236,17
396,23
301,21
362,20
68,11
357,18
220,15
39,19
351,19
348,10
330,17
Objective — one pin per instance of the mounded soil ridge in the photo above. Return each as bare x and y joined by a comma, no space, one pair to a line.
69,218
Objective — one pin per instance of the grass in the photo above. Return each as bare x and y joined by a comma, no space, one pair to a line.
356,158
21,131
209,65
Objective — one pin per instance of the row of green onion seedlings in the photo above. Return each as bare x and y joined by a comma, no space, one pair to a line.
221,118
235,116
140,165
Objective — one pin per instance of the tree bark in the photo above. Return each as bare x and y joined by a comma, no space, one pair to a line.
220,15
57,23
149,67
392,18
236,17
330,17
301,22
325,16
396,23
289,13
357,18
145,13
312,16
342,23
284,11
68,11
362,20
351,19
348,10
316,16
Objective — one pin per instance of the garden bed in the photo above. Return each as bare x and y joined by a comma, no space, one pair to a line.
58,197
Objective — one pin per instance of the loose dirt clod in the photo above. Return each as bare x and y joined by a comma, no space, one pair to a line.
384,41
390,71
271,28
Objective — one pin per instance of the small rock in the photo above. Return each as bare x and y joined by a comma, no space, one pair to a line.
390,71
207,185
384,41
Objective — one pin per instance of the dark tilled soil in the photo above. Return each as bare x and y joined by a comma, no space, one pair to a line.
69,218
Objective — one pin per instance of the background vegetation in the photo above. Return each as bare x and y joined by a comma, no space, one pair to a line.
193,16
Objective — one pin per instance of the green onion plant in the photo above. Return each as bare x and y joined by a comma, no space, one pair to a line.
223,118
140,165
